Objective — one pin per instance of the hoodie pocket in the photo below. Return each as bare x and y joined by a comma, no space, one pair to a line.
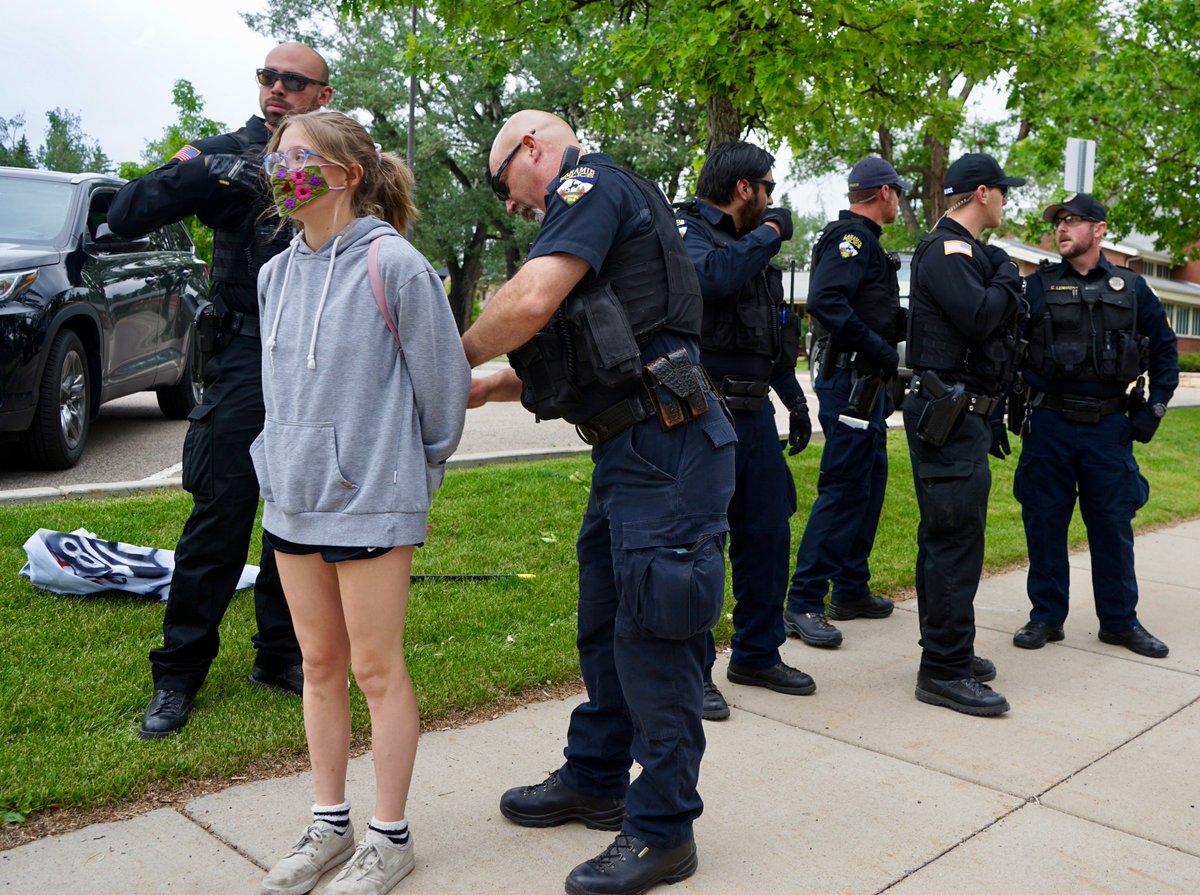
298,470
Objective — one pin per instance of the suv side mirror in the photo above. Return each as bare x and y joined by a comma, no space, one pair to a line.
107,241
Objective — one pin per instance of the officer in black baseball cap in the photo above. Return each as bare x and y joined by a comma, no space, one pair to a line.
1081,205
874,172
976,169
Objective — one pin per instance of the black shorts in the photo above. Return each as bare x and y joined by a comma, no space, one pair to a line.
329,554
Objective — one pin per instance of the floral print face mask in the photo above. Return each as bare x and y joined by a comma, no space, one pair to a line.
292,189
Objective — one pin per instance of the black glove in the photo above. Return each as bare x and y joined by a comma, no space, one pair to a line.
781,217
799,428
1000,447
235,171
889,363
1141,426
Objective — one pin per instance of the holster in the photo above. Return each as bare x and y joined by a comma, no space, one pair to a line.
864,393
676,386
938,404
208,334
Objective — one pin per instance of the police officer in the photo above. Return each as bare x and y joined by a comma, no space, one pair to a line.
748,345
601,325
963,313
854,301
1093,330
217,180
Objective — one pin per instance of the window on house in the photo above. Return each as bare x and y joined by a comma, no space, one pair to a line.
1156,269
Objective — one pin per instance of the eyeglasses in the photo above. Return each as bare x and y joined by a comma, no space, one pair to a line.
767,185
1002,188
292,81
294,159
498,187
1070,219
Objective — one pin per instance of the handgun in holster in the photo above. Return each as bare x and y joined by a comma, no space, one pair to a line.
865,389
943,404
208,332
676,388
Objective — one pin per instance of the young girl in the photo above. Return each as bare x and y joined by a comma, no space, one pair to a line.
357,432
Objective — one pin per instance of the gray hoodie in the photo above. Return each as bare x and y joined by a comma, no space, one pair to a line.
357,432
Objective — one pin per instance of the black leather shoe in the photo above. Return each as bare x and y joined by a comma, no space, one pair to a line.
286,680
781,678
630,866
870,606
1137,639
715,706
966,695
812,627
1034,635
983,670
167,713
550,803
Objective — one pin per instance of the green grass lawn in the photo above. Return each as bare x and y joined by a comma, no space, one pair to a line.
74,677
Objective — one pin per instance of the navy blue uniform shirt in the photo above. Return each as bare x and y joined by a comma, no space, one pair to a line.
1151,321
844,265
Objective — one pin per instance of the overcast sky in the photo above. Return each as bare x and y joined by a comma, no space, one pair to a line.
114,64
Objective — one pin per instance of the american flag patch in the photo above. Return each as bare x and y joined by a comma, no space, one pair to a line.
187,153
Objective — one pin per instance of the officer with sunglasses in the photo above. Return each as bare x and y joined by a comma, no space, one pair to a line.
1093,329
219,179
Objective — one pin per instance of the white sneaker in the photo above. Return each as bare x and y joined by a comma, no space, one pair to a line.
377,865
314,853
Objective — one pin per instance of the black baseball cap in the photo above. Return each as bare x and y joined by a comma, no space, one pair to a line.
1081,204
973,170
872,172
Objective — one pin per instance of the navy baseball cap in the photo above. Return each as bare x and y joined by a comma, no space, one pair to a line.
872,172
1081,204
973,170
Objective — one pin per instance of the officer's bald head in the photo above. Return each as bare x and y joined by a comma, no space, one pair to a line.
298,54
551,131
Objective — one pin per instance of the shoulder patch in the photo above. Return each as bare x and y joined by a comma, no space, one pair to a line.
957,247
576,183
187,153
682,225
849,246
853,239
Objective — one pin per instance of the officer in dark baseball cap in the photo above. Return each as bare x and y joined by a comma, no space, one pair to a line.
873,172
1081,205
976,169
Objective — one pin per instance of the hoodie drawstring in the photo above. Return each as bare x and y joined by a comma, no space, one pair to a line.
312,345
287,275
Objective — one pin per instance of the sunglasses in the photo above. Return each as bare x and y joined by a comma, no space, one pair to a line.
292,81
295,159
1070,219
897,189
1002,188
767,185
498,187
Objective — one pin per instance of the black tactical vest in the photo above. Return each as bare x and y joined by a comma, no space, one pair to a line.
589,355
1088,331
240,252
935,344
749,321
876,301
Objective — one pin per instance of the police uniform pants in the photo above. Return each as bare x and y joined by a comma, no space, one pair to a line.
1058,457
651,584
952,484
840,533
212,549
760,545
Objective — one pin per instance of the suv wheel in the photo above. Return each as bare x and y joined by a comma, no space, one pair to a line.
56,438
176,401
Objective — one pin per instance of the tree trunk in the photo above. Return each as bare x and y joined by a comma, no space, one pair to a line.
465,277
724,122
935,202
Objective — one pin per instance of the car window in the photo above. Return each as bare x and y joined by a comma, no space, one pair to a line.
33,211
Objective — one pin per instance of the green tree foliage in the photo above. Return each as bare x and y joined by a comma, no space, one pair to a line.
68,148
1137,96
191,125
15,151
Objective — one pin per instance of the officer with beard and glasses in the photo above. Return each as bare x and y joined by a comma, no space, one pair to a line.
1093,330
219,180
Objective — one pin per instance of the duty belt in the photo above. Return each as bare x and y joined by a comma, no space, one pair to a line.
743,394
616,419
1079,409
238,324
981,405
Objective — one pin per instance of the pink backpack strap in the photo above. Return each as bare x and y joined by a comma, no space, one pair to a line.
377,288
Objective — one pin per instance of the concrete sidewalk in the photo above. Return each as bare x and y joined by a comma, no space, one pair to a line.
1088,785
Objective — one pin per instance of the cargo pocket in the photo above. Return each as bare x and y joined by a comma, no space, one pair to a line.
298,466
198,453
671,587
944,495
